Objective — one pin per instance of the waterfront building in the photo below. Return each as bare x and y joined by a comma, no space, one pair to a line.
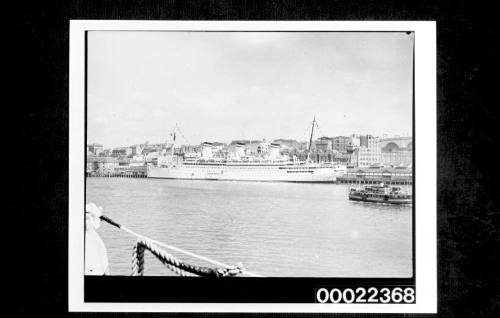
322,151
341,156
397,158
397,151
338,148
121,152
257,148
147,148
368,153
94,149
252,147
131,171
136,149
320,155
342,143
105,153
190,149
101,165
323,145
355,141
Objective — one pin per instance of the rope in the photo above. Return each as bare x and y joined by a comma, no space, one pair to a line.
175,265
138,260
144,238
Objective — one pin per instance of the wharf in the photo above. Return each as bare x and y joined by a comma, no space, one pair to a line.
116,175
351,180
375,175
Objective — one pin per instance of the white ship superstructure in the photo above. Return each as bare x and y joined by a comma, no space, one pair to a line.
241,167
248,171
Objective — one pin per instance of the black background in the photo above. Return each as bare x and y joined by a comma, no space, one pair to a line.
35,40
119,289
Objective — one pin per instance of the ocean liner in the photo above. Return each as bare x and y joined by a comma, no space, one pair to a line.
239,166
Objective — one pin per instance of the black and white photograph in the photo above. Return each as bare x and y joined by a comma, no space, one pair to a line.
249,154
237,158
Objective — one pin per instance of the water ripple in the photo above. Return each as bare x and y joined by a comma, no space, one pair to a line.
276,229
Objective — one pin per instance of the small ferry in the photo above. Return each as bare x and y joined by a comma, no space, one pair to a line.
381,194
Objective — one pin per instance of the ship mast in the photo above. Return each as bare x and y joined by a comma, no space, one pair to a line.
310,139
173,142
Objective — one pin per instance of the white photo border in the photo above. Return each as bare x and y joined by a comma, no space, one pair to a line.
425,159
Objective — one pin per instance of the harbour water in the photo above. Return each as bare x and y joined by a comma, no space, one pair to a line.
274,229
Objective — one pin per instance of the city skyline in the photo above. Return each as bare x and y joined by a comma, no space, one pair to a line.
90,142
229,86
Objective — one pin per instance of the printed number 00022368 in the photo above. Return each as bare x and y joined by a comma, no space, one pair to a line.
384,295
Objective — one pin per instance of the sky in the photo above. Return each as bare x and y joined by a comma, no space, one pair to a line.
222,86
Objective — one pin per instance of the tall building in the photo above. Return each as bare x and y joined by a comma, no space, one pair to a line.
368,153
341,143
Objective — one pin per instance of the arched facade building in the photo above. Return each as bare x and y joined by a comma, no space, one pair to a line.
397,151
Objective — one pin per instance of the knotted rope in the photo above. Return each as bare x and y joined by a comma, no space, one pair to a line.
171,262
175,265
